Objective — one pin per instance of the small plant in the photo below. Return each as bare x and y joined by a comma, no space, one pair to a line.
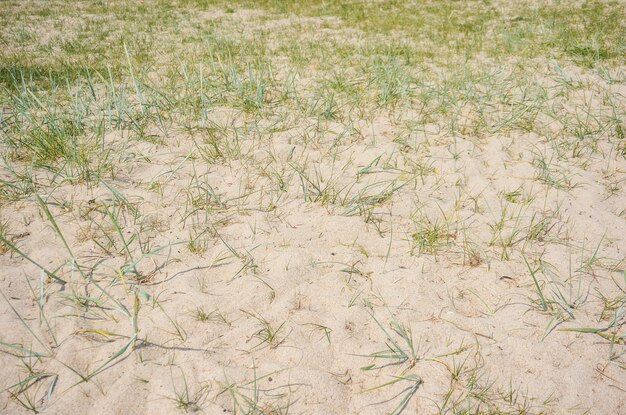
5,236
249,397
184,399
209,317
267,333
397,353
400,352
431,237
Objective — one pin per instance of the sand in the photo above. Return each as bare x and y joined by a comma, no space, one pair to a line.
303,266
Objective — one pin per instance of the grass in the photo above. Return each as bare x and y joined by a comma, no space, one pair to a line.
248,397
268,333
184,399
168,165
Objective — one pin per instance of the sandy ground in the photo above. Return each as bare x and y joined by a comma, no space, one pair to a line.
287,293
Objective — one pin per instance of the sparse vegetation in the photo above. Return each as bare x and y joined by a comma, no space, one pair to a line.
272,207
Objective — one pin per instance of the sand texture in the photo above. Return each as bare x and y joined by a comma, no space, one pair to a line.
260,208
